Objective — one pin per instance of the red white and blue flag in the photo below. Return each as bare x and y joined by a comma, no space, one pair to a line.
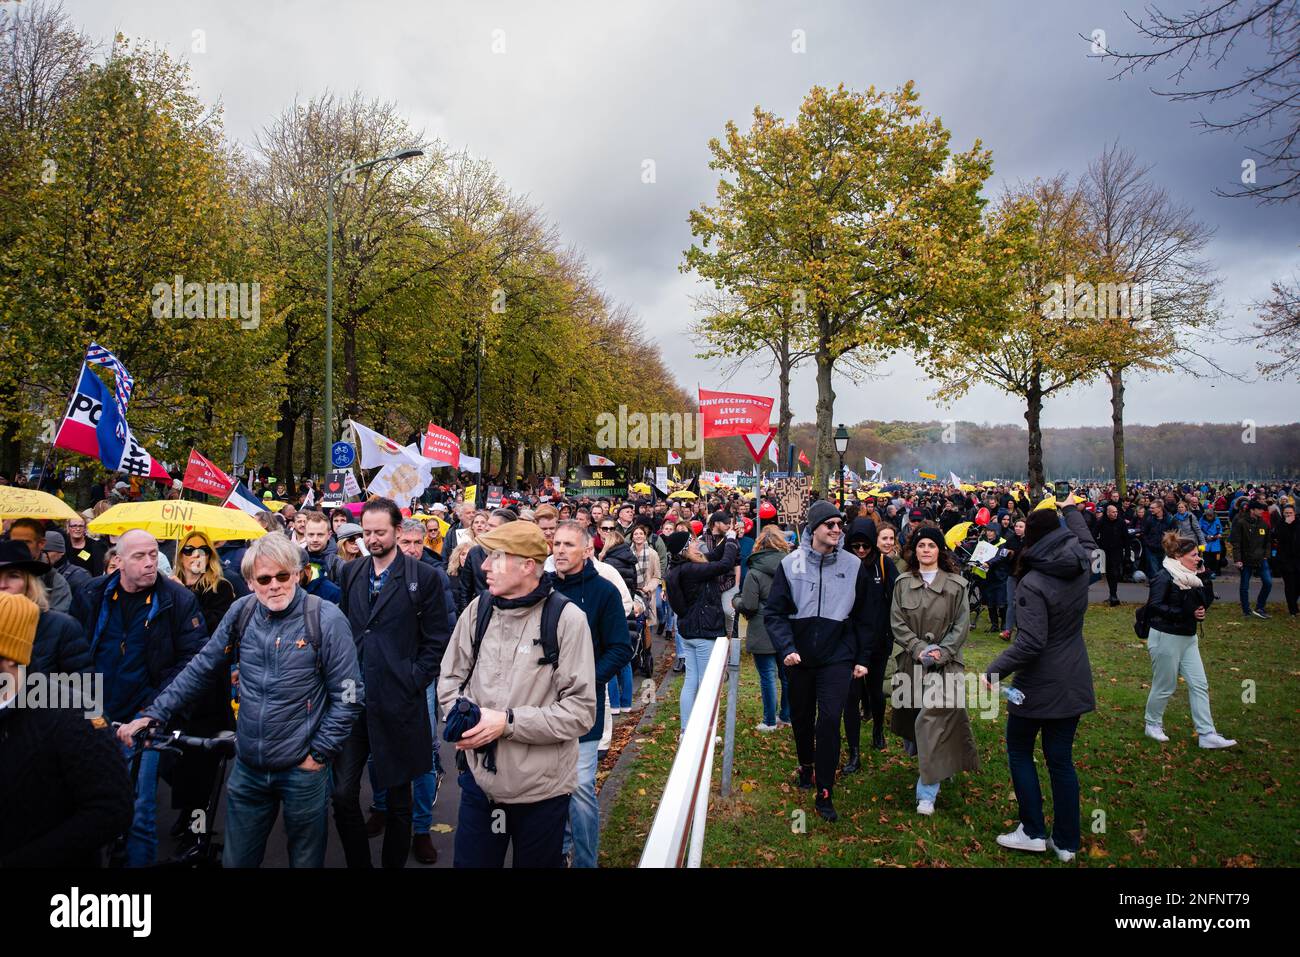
97,355
93,426
242,498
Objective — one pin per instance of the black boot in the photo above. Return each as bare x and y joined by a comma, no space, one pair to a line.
877,736
854,763
824,806
805,781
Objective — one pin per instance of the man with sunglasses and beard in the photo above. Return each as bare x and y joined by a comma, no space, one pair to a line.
298,699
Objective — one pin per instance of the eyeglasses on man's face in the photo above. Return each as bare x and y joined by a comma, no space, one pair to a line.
281,577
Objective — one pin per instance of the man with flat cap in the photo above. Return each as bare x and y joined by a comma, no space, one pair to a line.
523,656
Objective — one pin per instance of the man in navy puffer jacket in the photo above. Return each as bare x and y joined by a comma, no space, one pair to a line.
297,705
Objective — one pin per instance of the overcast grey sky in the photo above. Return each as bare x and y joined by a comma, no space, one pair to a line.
584,92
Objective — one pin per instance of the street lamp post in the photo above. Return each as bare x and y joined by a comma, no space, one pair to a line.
352,170
841,446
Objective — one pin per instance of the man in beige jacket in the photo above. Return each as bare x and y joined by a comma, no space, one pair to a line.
533,711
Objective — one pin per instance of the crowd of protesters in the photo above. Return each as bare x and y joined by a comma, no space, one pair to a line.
341,644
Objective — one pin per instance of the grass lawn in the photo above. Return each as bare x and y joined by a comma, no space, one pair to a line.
1143,804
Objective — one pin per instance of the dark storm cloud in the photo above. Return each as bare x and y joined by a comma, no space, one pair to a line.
585,93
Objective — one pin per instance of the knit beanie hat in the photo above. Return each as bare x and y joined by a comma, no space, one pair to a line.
929,532
18,616
676,542
819,512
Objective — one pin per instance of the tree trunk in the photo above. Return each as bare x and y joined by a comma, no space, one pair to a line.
784,415
285,440
1117,426
824,464
1033,418
308,445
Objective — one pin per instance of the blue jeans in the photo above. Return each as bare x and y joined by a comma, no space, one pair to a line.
620,688
253,800
1058,749
768,669
582,832
665,611
697,652
1151,559
926,792
142,838
424,789
1010,623
1265,585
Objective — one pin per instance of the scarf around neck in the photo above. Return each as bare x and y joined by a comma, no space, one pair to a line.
1182,576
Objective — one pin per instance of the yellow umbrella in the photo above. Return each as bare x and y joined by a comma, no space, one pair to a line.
421,517
1049,502
967,487
29,503
273,504
684,494
641,488
989,484
176,519
957,534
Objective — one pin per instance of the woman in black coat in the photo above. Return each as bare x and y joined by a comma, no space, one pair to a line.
1053,673
882,573
694,594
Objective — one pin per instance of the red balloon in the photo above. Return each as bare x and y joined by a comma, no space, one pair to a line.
767,511
982,517
697,527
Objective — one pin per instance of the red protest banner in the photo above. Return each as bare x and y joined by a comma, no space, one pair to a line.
441,446
732,413
202,476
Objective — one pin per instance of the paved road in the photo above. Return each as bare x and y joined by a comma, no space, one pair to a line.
444,813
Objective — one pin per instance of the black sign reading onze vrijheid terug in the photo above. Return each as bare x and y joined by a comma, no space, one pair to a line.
597,480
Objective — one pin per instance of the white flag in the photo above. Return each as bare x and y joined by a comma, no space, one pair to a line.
598,460
309,499
403,481
771,454
469,463
378,450
871,464
956,482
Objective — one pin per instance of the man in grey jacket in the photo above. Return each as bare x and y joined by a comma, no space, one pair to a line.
297,701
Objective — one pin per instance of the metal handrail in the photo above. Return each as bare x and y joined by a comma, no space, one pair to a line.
684,805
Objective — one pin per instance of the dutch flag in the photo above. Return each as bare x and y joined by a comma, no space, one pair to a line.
242,498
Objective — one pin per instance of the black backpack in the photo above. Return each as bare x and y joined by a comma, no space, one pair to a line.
550,631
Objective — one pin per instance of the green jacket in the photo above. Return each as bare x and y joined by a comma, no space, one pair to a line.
752,598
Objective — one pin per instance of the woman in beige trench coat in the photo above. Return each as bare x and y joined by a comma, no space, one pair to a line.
930,617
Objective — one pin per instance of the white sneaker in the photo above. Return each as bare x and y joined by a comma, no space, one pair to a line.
765,727
1157,732
1215,740
1018,840
1064,857
925,807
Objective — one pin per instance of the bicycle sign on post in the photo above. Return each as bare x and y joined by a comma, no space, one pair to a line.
342,455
